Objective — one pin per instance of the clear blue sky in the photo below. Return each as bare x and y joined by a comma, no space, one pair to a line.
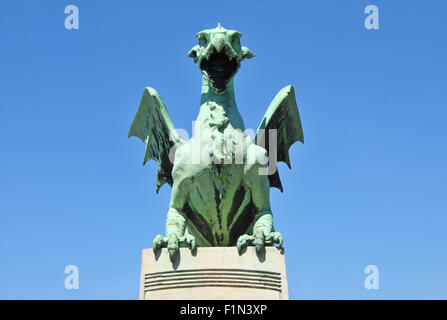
367,187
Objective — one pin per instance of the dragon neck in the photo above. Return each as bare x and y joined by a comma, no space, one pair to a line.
225,99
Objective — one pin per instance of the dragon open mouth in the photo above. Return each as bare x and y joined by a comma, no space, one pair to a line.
219,69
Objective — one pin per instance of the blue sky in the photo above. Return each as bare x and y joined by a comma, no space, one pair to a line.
367,187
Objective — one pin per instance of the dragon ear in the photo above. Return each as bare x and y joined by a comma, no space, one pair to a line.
246,53
193,53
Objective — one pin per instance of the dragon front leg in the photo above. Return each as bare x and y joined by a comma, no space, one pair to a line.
263,229
176,234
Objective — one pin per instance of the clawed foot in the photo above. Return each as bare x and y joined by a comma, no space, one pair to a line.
259,240
173,243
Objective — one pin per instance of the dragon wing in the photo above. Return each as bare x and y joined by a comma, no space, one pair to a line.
282,115
154,127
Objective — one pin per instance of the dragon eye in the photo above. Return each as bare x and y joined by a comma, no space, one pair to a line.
202,41
236,39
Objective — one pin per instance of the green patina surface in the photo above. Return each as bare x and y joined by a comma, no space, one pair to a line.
220,178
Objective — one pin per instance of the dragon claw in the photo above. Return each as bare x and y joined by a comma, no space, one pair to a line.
157,243
190,241
259,240
276,237
243,241
173,243
173,246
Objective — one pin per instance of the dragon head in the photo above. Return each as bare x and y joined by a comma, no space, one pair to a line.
219,54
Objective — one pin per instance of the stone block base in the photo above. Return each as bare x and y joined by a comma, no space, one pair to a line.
215,273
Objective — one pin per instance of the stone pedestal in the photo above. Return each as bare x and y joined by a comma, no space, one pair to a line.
215,273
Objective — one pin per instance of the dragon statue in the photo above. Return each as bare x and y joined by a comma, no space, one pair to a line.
220,178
